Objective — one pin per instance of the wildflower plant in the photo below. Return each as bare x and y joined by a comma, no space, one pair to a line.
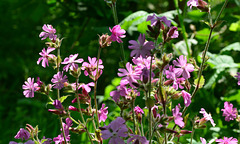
153,75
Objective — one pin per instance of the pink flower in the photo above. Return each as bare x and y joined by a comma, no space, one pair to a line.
60,139
192,3
121,91
130,74
27,142
102,113
137,139
203,140
71,62
117,33
226,140
238,77
229,112
29,88
172,33
58,105
207,117
22,134
91,67
114,131
138,110
59,79
177,116
142,47
184,69
187,98
154,18
45,55
49,32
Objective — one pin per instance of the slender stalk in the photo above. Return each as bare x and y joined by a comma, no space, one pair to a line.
58,94
192,134
95,87
203,58
180,17
115,17
134,125
239,133
142,129
150,124
73,120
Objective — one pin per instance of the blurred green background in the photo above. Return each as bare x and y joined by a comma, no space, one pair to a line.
80,22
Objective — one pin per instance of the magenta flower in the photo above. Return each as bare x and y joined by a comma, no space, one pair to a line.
154,18
187,98
102,113
185,67
177,116
207,117
49,31
226,140
60,139
142,47
91,67
143,62
59,80
172,33
138,110
58,105
22,134
130,74
71,62
192,3
29,88
117,33
203,140
114,131
238,77
45,55
121,91
229,112
137,139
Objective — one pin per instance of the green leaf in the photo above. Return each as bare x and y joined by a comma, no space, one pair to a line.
232,96
63,98
196,15
181,46
235,26
213,78
116,81
235,47
222,62
108,89
204,33
201,83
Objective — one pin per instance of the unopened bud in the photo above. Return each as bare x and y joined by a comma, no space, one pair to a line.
104,40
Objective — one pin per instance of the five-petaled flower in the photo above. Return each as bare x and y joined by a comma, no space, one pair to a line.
229,112
59,80
29,88
142,47
185,67
22,134
154,18
71,62
178,116
45,56
226,140
206,117
117,33
49,31
102,113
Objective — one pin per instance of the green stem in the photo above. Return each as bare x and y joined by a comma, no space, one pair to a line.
192,134
203,58
149,96
180,17
142,128
115,17
134,125
95,87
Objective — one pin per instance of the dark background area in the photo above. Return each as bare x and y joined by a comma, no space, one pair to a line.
79,22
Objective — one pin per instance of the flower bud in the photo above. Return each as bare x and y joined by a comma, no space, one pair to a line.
104,40
202,5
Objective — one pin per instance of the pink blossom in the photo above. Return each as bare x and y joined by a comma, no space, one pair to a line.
102,113
154,18
45,56
207,116
130,74
187,98
59,80
137,139
60,139
29,88
177,116
58,105
229,112
91,67
22,134
117,33
114,131
71,62
27,142
142,47
172,33
138,110
192,3
226,140
121,91
203,140
185,67
49,31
